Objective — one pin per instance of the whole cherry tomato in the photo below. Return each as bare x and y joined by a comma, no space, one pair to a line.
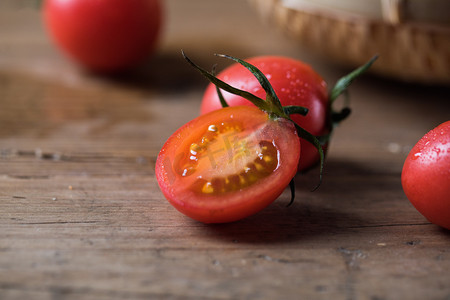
104,35
294,82
426,175
228,164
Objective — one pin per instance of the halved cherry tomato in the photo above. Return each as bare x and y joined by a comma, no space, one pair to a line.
426,175
294,82
228,164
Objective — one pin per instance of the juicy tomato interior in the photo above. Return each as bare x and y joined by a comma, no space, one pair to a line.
228,164
294,82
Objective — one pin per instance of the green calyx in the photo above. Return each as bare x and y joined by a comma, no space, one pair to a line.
271,104
343,83
275,110
341,88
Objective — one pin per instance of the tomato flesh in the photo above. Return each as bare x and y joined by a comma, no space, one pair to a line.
228,164
294,82
426,175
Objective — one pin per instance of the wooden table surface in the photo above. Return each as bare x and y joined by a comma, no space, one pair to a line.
81,215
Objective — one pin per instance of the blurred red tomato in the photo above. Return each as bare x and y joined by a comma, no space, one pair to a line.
104,35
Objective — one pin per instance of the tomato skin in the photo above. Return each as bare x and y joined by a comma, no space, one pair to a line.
294,82
426,175
104,35
238,204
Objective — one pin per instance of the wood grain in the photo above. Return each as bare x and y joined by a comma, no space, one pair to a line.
81,215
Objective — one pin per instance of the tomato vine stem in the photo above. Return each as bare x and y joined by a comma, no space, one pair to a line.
341,88
258,102
344,82
222,100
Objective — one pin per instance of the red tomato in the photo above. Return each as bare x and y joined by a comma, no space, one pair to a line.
104,35
228,164
294,82
426,175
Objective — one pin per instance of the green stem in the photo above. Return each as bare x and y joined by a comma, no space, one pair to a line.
294,109
275,107
222,100
317,144
343,83
258,102
292,188
341,88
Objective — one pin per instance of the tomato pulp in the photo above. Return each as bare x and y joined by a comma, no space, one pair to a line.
228,164
294,82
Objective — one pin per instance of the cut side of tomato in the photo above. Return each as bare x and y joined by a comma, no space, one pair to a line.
294,82
228,164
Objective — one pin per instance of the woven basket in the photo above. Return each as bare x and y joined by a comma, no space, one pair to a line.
412,38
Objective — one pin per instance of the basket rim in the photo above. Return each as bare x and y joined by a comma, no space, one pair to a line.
392,12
